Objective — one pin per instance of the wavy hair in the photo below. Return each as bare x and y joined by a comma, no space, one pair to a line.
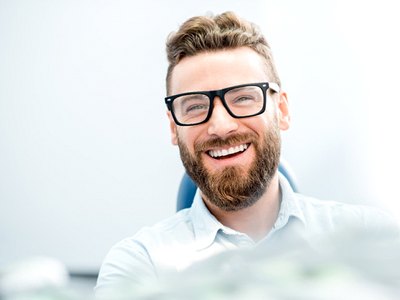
212,33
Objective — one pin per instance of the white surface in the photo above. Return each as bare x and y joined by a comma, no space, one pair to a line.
32,274
85,156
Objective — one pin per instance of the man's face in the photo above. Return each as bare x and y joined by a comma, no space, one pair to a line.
231,160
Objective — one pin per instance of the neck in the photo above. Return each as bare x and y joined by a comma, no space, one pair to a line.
255,221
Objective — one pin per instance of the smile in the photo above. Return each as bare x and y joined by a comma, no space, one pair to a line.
229,151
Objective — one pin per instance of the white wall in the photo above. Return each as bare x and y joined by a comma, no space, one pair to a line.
85,157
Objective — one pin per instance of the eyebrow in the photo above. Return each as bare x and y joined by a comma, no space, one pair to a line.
190,97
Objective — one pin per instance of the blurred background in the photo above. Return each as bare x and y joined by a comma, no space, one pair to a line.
85,153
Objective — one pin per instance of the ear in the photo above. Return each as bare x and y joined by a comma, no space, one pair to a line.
283,111
172,127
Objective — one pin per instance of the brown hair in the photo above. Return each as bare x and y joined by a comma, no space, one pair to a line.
213,33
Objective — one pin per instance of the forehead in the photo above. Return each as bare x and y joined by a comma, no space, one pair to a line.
217,70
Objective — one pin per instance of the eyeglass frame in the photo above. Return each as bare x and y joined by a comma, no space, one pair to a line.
221,95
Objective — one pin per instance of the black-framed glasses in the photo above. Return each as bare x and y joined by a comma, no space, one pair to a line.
241,101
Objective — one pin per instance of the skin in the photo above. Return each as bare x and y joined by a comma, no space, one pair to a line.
217,70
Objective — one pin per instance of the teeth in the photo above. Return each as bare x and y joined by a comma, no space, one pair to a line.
225,152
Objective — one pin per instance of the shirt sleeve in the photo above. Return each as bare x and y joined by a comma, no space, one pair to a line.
126,268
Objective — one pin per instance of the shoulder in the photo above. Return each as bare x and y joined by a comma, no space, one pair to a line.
177,226
333,216
136,259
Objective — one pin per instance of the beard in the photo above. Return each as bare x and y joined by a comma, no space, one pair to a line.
235,187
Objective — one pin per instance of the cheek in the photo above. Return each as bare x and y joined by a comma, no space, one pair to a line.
186,136
269,118
258,124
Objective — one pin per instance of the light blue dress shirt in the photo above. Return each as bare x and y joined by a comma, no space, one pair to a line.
194,234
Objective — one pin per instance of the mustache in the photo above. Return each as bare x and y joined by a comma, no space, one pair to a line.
231,140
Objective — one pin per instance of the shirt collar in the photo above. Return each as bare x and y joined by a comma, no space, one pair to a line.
206,226
290,206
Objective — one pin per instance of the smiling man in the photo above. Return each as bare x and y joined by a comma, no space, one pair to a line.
228,137
226,110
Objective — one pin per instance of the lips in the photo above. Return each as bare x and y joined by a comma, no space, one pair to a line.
224,152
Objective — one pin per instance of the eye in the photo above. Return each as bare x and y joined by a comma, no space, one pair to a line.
192,104
197,107
243,98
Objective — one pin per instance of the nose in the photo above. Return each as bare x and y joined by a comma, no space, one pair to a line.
221,123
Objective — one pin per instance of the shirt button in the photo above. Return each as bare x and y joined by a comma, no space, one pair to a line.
244,243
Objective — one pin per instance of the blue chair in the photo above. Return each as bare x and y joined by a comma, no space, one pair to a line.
187,188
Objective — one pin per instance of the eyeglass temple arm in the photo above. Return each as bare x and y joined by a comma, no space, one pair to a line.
274,86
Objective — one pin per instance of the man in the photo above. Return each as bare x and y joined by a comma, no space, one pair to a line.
226,110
